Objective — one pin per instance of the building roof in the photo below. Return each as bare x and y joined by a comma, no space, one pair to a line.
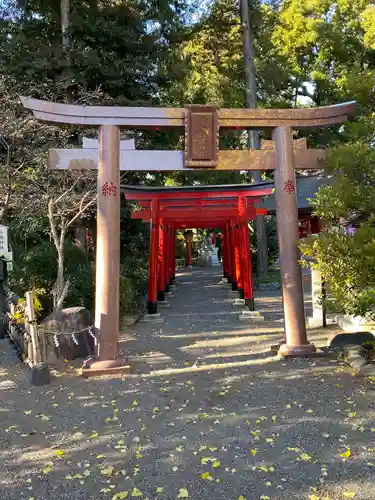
307,187
197,188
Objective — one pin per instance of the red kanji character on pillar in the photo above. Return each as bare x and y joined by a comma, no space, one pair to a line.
289,187
108,189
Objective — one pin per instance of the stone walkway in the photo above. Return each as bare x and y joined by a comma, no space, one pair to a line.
208,414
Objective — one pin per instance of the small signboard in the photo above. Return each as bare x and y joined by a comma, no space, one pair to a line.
3,238
4,247
201,137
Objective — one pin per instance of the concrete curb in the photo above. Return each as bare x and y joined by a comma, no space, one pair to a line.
355,357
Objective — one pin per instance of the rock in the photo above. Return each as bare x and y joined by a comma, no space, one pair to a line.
357,361
40,374
368,370
353,351
72,338
343,340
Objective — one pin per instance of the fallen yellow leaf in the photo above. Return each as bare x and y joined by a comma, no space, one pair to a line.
120,495
346,453
216,464
108,471
60,453
206,475
136,493
305,457
159,489
350,494
183,493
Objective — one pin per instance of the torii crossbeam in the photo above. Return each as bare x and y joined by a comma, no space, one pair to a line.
201,125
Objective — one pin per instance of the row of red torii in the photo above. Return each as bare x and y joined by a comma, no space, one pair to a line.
228,208
202,125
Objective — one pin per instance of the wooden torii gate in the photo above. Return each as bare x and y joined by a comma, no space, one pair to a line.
172,208
201,125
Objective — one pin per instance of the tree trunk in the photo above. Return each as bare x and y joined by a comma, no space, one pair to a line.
80,235
253,135
66,44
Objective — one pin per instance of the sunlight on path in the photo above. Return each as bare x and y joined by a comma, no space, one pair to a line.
208,414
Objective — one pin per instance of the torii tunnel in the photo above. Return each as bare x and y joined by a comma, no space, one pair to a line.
228,208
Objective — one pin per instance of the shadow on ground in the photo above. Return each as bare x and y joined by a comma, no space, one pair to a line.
212,401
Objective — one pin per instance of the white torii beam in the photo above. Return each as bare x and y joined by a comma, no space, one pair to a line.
132,159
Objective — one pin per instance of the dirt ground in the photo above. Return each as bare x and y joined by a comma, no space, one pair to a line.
209,413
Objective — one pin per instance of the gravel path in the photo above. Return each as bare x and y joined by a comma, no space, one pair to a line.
209,413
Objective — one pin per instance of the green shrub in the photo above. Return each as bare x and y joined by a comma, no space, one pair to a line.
347,263
36,268
133,284
272,242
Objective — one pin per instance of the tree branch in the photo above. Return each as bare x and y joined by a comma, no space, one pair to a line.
51,219
67,191
81,211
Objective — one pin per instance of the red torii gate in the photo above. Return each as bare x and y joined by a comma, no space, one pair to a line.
170,208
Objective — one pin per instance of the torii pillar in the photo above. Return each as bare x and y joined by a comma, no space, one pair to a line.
287,230
107,297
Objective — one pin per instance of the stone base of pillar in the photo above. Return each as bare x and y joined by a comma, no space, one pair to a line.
241,293
166,288
161,296
94,368
247,315
297,350
250,304
229,279
225,274
152,307
239,302
164,304
152,318
234,286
